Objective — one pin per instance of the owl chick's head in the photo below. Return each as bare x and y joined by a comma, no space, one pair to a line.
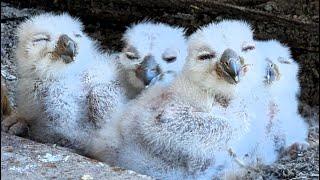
278,63
151,50
218,54
51,40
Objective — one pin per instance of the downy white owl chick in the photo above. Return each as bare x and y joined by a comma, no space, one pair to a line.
237,37
282,86
178,131
268,129
151,50
258,144
56,61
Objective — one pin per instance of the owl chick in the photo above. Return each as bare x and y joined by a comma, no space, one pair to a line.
151,51
282,86
179,131
273,107
154,53
249,95
236,38
60,71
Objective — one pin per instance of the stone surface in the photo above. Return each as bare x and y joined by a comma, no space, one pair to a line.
25,159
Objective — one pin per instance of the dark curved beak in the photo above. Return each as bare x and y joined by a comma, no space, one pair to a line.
148,70
271,75
66,48
231,63
234,69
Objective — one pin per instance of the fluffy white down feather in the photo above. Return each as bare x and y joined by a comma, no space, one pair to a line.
276,123
283,93
178,131
155,39
53,95
247,98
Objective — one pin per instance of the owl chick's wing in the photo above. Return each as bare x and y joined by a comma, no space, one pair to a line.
105,94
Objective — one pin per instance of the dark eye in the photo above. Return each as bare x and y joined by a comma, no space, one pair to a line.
131,56
207,56
41,39
170,59
78,35
248,48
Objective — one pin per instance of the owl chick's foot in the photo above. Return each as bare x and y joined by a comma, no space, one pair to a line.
295,149
14,125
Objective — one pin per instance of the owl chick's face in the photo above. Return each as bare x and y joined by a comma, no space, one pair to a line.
272,72
151,50
49,39
218,54
277,61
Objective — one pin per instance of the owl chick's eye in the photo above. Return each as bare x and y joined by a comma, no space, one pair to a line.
170,55
248,48
283,60
170,59
78,35
40,37
131,56
206,56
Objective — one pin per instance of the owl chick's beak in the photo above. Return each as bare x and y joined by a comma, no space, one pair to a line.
164,78
66,48
148,70
231,64
271,74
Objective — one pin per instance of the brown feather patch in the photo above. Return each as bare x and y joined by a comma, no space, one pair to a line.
5,104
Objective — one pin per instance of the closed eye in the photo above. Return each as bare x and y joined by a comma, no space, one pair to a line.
248,48
283,60
206,56
41,39
170,59
78,35
131,56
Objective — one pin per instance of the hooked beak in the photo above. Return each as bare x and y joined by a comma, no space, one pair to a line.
163,78
148,70
66,48
271,75
268,76
234,70
231,63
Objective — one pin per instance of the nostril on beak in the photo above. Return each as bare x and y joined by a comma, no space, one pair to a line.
66,48
148,70
68,44
71,48
233,65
